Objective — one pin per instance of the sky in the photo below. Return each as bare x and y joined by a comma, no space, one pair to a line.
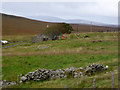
104,11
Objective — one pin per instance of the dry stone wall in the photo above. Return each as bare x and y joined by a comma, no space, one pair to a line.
44,74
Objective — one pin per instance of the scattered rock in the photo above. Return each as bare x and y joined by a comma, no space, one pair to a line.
106,72
42,47
106,66
86,36
4,83
94,41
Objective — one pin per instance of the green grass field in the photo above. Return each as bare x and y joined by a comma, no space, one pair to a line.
63,54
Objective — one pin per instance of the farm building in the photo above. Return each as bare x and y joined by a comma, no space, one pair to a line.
42,37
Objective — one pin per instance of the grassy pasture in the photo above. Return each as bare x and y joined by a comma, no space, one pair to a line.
62,54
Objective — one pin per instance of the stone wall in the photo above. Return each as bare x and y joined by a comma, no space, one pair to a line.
45,74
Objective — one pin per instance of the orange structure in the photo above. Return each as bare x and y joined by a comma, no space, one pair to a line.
63,36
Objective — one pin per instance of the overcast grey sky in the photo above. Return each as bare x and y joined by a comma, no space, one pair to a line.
100,11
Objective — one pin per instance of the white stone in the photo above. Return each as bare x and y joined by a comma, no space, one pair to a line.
23,78
106,66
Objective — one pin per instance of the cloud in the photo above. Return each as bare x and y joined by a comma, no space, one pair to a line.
68,10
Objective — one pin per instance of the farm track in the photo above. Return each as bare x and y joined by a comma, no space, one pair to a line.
14,45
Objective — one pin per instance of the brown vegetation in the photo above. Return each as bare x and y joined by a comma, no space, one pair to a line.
14,25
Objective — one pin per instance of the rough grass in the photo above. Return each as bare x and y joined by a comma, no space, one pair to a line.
62,54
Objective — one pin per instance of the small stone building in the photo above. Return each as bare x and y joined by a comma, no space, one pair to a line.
42,37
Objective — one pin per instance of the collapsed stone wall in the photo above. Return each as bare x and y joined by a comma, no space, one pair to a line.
44,74
4,83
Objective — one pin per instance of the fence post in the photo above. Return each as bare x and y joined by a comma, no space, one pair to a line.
112,81
18,79
94,82
66,87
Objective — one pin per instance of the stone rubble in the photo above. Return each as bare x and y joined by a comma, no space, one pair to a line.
46,74
95,41
4,83
42,47
89,70
59,73
78,74
70,70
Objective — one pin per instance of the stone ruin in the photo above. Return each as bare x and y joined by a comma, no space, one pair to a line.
46,74
43,37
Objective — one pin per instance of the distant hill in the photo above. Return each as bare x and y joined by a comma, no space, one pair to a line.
19,25
15,25
70,21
